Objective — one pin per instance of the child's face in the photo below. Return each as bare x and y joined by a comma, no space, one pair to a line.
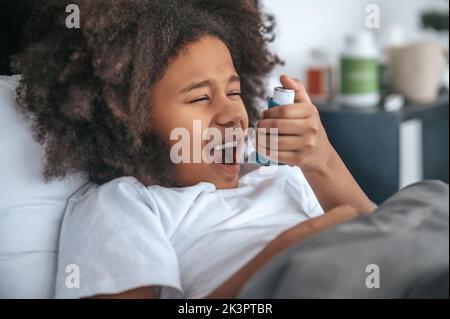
201,84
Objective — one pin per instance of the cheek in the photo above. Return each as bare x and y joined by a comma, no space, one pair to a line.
164,118
179,122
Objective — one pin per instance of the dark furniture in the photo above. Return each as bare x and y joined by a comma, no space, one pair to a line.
369,143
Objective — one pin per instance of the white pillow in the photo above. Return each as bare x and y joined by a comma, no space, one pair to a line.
31,211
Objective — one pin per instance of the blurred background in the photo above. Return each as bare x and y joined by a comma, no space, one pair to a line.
303,25
378,72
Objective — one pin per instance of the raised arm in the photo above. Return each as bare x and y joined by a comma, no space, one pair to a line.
335,186
303,142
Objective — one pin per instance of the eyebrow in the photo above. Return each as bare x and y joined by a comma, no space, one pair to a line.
198,85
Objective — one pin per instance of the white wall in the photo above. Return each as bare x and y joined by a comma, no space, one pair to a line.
303,24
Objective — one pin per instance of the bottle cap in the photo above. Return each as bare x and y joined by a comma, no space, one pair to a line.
283,96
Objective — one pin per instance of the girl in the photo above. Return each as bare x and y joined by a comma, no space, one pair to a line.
106,98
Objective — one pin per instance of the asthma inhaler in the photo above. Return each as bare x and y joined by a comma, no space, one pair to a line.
281,96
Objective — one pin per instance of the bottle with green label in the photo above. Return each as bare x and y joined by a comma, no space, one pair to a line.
359,71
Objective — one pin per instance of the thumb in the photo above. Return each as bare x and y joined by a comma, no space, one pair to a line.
301,96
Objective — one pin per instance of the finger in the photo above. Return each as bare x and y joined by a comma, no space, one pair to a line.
288,143
280,143
293,111
285,127
301,96
286,157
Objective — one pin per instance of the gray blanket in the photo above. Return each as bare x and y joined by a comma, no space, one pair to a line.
400,251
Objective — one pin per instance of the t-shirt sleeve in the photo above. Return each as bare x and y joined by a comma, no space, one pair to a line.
303,191
112,240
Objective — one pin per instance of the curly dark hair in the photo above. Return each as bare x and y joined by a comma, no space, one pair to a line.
86,91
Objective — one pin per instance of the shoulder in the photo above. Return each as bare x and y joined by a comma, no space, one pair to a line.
114,234
121,192
108,205
122,186
117,211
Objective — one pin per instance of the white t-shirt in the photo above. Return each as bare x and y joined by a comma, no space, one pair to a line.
186,241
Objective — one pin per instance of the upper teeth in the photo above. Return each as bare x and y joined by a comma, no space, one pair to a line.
226,145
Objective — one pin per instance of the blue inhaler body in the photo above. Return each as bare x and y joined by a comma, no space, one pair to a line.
281,96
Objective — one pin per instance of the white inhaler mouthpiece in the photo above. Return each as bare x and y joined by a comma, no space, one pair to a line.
282,96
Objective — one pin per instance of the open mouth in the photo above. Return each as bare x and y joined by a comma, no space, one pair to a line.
226,153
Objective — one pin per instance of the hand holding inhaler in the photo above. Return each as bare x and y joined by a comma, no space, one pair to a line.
301,140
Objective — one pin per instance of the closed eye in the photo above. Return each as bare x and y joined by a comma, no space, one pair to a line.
201,99
206,98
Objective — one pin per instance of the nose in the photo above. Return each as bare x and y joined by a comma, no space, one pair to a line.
229,115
